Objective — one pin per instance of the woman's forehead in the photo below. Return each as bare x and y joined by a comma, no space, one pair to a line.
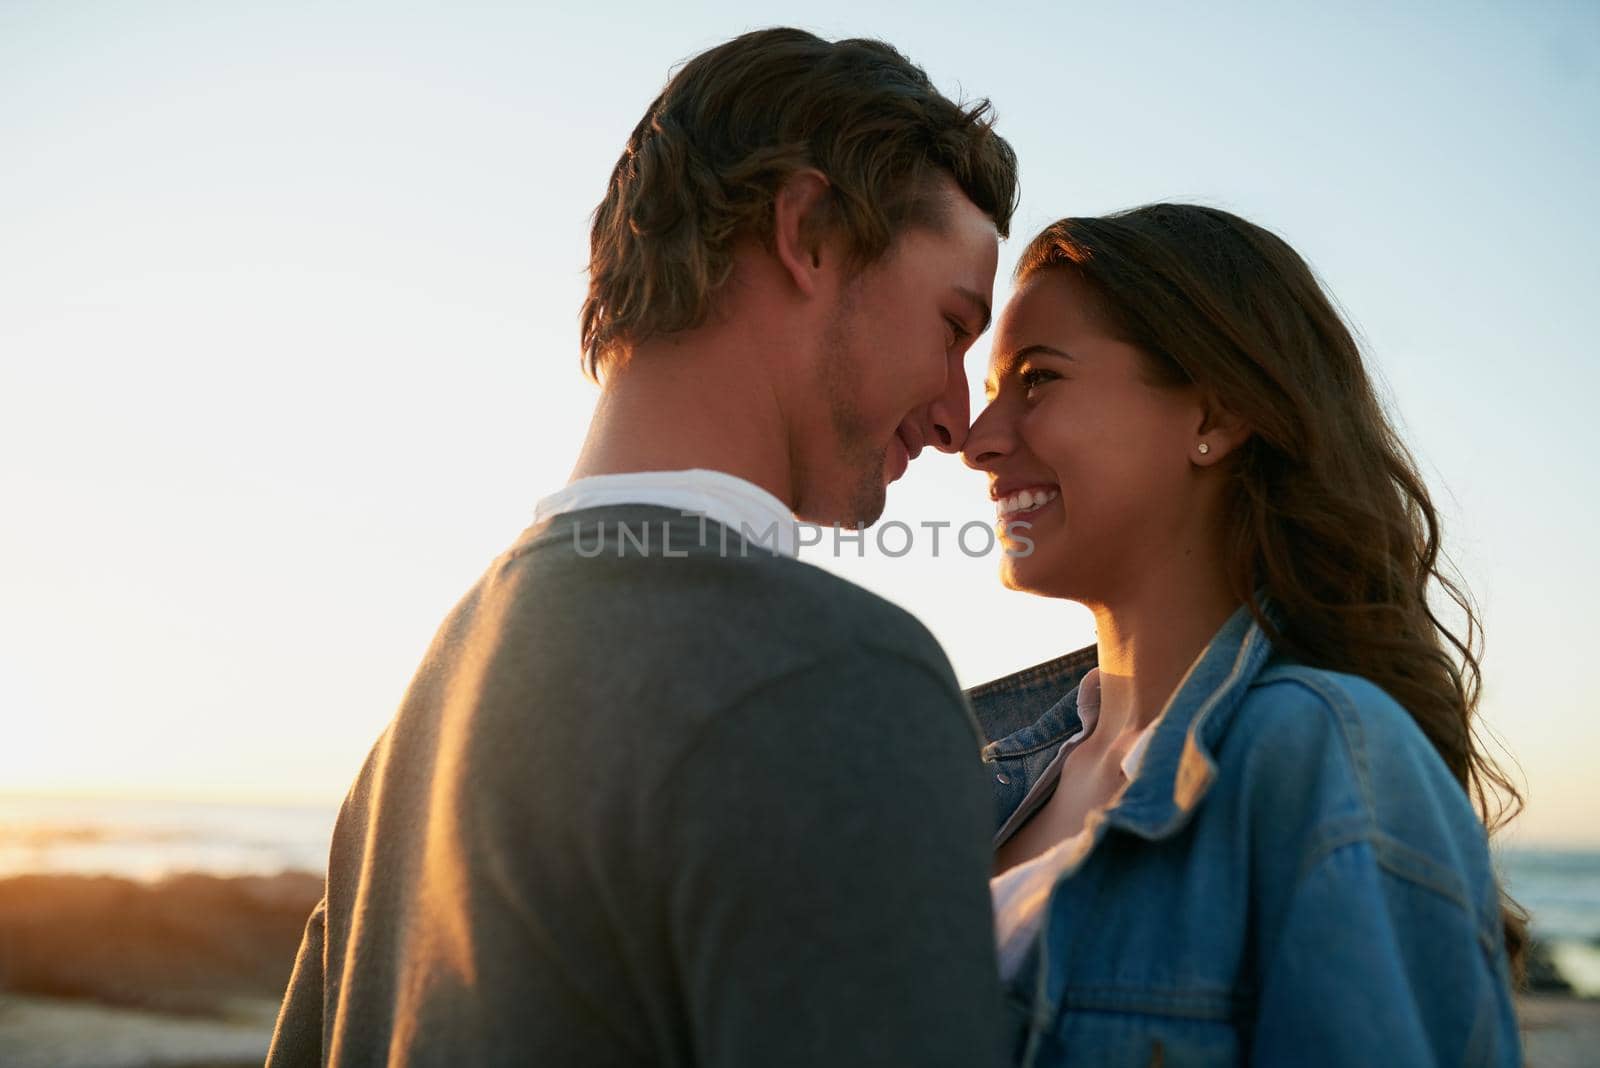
1051,303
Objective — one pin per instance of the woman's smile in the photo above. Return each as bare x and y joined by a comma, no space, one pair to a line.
1024,502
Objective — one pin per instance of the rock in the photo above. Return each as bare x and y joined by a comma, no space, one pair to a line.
184,945
1543,975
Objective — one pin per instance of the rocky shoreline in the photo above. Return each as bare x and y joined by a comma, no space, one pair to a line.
104,972
187,945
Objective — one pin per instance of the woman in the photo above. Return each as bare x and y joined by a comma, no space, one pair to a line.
1238,828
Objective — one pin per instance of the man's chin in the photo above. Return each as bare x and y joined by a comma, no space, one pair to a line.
859,511
863,512
895,462
866,502
857,498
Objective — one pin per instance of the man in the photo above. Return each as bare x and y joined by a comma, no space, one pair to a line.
658,795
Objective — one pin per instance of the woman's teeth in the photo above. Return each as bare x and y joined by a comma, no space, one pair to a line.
1025,501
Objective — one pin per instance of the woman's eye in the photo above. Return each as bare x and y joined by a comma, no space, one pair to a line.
1035,376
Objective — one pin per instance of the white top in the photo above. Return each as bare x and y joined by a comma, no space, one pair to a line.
1021,893
740,505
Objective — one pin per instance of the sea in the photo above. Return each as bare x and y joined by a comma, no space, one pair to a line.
146,840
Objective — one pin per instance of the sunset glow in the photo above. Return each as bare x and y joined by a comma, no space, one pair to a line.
288,341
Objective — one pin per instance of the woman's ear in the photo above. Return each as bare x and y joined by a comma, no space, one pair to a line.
1218,434
797,227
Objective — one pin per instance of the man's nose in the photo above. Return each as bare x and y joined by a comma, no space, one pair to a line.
948,415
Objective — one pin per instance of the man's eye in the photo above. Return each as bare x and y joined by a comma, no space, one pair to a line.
958,333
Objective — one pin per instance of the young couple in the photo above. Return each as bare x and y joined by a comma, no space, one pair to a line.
713,807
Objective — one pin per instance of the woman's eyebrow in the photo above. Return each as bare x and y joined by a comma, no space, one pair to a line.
1039,350
991,384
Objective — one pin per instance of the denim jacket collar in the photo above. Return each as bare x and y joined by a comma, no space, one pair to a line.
1008,708
1179,764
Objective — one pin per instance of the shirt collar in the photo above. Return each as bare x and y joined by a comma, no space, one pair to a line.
736,503
1089,717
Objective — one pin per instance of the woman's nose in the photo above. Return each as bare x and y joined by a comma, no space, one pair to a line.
989,440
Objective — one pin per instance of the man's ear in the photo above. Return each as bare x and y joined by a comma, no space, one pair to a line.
1218,434
798,229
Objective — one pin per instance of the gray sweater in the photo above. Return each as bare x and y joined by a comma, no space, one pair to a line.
639,808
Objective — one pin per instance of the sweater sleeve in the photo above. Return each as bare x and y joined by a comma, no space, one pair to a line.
297,1039
828,901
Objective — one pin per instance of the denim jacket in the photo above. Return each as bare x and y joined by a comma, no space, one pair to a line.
1293,877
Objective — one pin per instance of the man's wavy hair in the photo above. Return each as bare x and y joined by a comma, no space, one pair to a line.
703,165
1326,510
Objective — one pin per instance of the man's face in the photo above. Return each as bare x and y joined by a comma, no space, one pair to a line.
890,373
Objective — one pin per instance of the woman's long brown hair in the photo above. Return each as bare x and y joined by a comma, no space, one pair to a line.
1327,514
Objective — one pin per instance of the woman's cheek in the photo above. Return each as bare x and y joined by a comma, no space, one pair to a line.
1051,437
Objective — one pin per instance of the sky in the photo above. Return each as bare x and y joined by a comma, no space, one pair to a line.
288,330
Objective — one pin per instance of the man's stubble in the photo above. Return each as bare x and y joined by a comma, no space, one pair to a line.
841,374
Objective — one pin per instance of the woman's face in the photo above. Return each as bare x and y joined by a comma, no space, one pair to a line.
1080,444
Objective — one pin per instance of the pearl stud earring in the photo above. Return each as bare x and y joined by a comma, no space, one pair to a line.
1203,448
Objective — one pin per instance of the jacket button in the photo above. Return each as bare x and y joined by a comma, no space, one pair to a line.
1002,778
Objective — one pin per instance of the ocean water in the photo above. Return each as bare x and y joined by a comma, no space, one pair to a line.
1561,891
150,839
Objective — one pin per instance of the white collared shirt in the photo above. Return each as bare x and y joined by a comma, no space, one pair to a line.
1021,893
738,504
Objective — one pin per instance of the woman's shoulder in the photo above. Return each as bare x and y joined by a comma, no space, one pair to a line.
1339,760
1292,705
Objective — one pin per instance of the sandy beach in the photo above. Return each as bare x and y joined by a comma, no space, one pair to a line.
1559,1032
56,1033
102,972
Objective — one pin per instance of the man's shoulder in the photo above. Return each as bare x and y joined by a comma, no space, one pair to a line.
621,659
662,578
633,662
846,616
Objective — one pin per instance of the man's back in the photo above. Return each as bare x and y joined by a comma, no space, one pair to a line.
648,808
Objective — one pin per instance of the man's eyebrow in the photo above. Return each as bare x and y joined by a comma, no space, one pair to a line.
991,384
979,303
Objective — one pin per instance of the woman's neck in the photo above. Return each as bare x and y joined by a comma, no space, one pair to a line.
1147,642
